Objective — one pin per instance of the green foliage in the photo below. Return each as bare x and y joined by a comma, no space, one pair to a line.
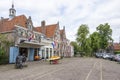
117,52
95,41
105,35
83,40
82,35
98,40
2,51
88,48
3,57
4,48
76,47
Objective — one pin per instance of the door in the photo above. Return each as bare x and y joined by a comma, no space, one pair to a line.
14,52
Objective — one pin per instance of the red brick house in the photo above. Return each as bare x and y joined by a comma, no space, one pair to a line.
62,47
51,32
116,47
30,40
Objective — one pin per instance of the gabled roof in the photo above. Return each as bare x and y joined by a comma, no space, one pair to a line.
62,34
38,29
50,30
61,31
8,24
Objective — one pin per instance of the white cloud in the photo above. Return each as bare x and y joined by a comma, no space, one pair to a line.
70,13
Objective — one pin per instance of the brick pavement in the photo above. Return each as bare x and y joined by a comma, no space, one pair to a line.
67,69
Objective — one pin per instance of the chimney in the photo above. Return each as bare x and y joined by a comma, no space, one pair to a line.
43,27
2,18
63,27
29,17
42,23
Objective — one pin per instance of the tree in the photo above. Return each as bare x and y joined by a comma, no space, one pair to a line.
82,38
95,42
5,43
88,48
105,33
4,48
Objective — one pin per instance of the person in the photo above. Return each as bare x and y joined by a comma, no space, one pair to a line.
19,61
24,58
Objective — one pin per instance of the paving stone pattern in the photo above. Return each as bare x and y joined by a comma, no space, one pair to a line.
67,69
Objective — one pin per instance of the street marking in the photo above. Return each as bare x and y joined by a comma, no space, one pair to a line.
90,71
101,73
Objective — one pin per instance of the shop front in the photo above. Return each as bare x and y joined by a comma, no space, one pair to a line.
29,49
46,52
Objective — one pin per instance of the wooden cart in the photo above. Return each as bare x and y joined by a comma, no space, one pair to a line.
54,60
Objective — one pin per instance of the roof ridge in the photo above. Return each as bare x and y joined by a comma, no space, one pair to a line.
47,25
51,24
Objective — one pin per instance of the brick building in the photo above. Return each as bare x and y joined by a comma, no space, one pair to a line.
20,30
58,36
44,40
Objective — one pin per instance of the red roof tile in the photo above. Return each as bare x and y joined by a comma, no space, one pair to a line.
61,31
38,29
50,30
8,25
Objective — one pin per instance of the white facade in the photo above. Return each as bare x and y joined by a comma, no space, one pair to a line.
46,51
72,51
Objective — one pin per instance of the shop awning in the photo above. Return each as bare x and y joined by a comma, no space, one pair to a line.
28,44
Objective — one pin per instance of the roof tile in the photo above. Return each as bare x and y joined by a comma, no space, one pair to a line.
8,25
50,30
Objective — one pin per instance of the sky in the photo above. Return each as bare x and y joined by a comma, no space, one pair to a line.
69,13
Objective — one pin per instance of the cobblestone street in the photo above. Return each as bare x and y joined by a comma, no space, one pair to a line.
67,69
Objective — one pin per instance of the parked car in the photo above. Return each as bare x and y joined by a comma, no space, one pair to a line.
106,55
98,55
111,57
117,57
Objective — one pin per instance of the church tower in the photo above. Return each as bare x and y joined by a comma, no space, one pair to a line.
12,12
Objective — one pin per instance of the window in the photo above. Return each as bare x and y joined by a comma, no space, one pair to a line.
47,53
21,33
50,52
